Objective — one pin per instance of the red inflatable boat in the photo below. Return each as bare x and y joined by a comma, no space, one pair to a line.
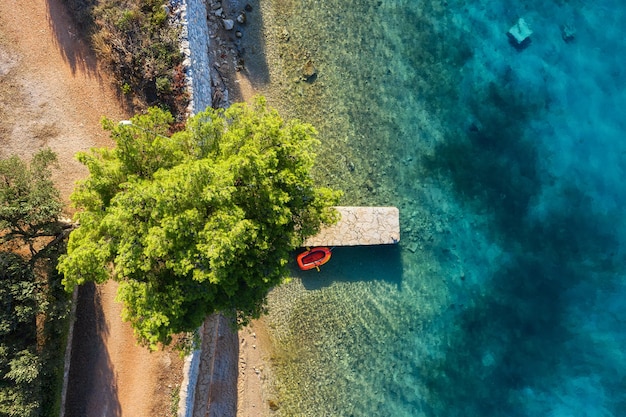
313,258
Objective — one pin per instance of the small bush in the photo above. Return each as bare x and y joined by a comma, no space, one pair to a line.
163,85
140,45
126,89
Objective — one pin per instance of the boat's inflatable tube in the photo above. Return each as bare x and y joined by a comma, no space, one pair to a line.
313,258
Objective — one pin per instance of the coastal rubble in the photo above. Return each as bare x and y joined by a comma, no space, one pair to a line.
211,53
228,24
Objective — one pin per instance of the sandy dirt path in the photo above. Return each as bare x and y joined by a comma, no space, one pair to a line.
52,94
51,91
111,376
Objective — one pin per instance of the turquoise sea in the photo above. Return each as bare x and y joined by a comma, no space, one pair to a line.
507,293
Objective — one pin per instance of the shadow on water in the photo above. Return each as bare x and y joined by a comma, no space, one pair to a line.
74,49
356,263
515,337
492,166
251,46
92,388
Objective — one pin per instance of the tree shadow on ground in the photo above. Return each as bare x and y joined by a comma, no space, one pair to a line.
92,388
69,39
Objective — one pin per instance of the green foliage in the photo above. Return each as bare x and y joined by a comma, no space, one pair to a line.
19,367
29,202
18,301
163,85
174,400
30,304
126,89
24,368
136,40
200,222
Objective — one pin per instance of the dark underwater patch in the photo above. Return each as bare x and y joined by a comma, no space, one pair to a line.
514,336
489,163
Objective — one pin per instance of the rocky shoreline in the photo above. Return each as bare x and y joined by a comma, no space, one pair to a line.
211,34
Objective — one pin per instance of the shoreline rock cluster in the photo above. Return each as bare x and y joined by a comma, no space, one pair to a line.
226,20
209,33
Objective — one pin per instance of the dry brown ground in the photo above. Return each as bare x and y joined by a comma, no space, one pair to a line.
110,375
52,94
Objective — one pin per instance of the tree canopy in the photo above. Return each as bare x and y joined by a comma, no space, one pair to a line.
199,222
19,362
31,308
30,205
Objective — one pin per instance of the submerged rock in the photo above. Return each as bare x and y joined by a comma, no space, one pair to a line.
568,32
309,72
228,24
519,34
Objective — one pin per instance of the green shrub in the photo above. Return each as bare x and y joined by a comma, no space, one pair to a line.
135,39
33,307
200,222
163,85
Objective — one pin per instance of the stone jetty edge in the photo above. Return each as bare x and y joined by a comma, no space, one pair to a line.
360,226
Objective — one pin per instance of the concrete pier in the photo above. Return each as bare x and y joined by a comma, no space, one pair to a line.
360,226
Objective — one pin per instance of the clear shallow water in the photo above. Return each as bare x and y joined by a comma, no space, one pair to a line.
505,296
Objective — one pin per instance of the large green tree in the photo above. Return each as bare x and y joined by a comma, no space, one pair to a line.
199,222
30,307
20,301
30,204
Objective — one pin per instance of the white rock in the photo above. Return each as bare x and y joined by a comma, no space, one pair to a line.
228,24
520,31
